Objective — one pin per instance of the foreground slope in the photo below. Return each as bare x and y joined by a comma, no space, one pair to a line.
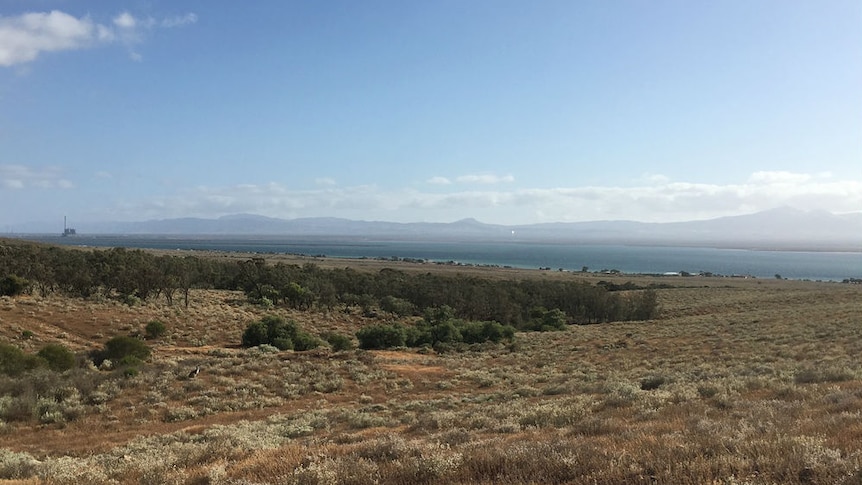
739,381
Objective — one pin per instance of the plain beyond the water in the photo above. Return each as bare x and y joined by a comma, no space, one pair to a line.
826,266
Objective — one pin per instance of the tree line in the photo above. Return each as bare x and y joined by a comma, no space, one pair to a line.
132,275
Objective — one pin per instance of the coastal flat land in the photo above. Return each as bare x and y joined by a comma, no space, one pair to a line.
736,381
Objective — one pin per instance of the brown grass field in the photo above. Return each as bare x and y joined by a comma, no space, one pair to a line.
740,381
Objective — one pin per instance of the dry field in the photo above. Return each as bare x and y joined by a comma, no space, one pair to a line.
739,381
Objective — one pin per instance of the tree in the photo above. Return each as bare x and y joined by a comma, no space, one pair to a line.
644,305
298,296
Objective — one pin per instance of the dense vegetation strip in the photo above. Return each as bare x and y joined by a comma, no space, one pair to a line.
134,275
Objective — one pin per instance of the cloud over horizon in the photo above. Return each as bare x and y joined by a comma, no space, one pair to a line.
476,179
21,177
658,201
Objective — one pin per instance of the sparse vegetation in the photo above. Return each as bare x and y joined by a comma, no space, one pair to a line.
737,382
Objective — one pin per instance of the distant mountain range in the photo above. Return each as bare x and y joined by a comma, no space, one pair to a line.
782,228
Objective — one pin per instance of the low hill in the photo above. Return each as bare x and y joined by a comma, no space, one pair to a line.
782,228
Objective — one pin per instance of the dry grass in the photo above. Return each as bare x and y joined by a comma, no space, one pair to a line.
740,381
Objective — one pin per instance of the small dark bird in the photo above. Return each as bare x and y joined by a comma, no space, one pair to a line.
195,372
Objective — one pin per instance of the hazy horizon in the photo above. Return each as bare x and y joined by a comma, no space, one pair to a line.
501,111
779,229
71,223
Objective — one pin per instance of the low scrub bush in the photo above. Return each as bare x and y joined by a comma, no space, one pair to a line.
337,341
542,320
381,336
275,331
14,361
16,466
811,375
124,349
155,329
652,382
12,285
478,332
447,334
58,357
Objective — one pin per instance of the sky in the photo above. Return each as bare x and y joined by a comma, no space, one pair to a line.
509,112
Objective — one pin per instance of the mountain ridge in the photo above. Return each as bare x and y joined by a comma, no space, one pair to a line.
781,228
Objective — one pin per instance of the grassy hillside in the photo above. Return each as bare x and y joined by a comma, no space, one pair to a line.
737,381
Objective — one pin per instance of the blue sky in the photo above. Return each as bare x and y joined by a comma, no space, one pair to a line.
506,111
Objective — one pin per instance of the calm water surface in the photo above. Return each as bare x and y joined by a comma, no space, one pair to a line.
628,259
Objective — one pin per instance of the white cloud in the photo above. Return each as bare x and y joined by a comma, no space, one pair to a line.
439,181
19,177
325,181
651,202
655,178
125,21
484,179
24,37
180,20
779,178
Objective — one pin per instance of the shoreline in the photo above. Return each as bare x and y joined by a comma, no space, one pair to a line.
558,257
359,241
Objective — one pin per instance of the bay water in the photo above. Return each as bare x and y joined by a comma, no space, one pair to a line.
808,265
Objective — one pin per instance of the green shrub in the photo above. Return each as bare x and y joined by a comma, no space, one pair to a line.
275,331
381,336
255,334
14,361
129,361
155,329
122,347
542,320
479,332
337,341
58,357
305,341
12,285
283,343
398,306
445,333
